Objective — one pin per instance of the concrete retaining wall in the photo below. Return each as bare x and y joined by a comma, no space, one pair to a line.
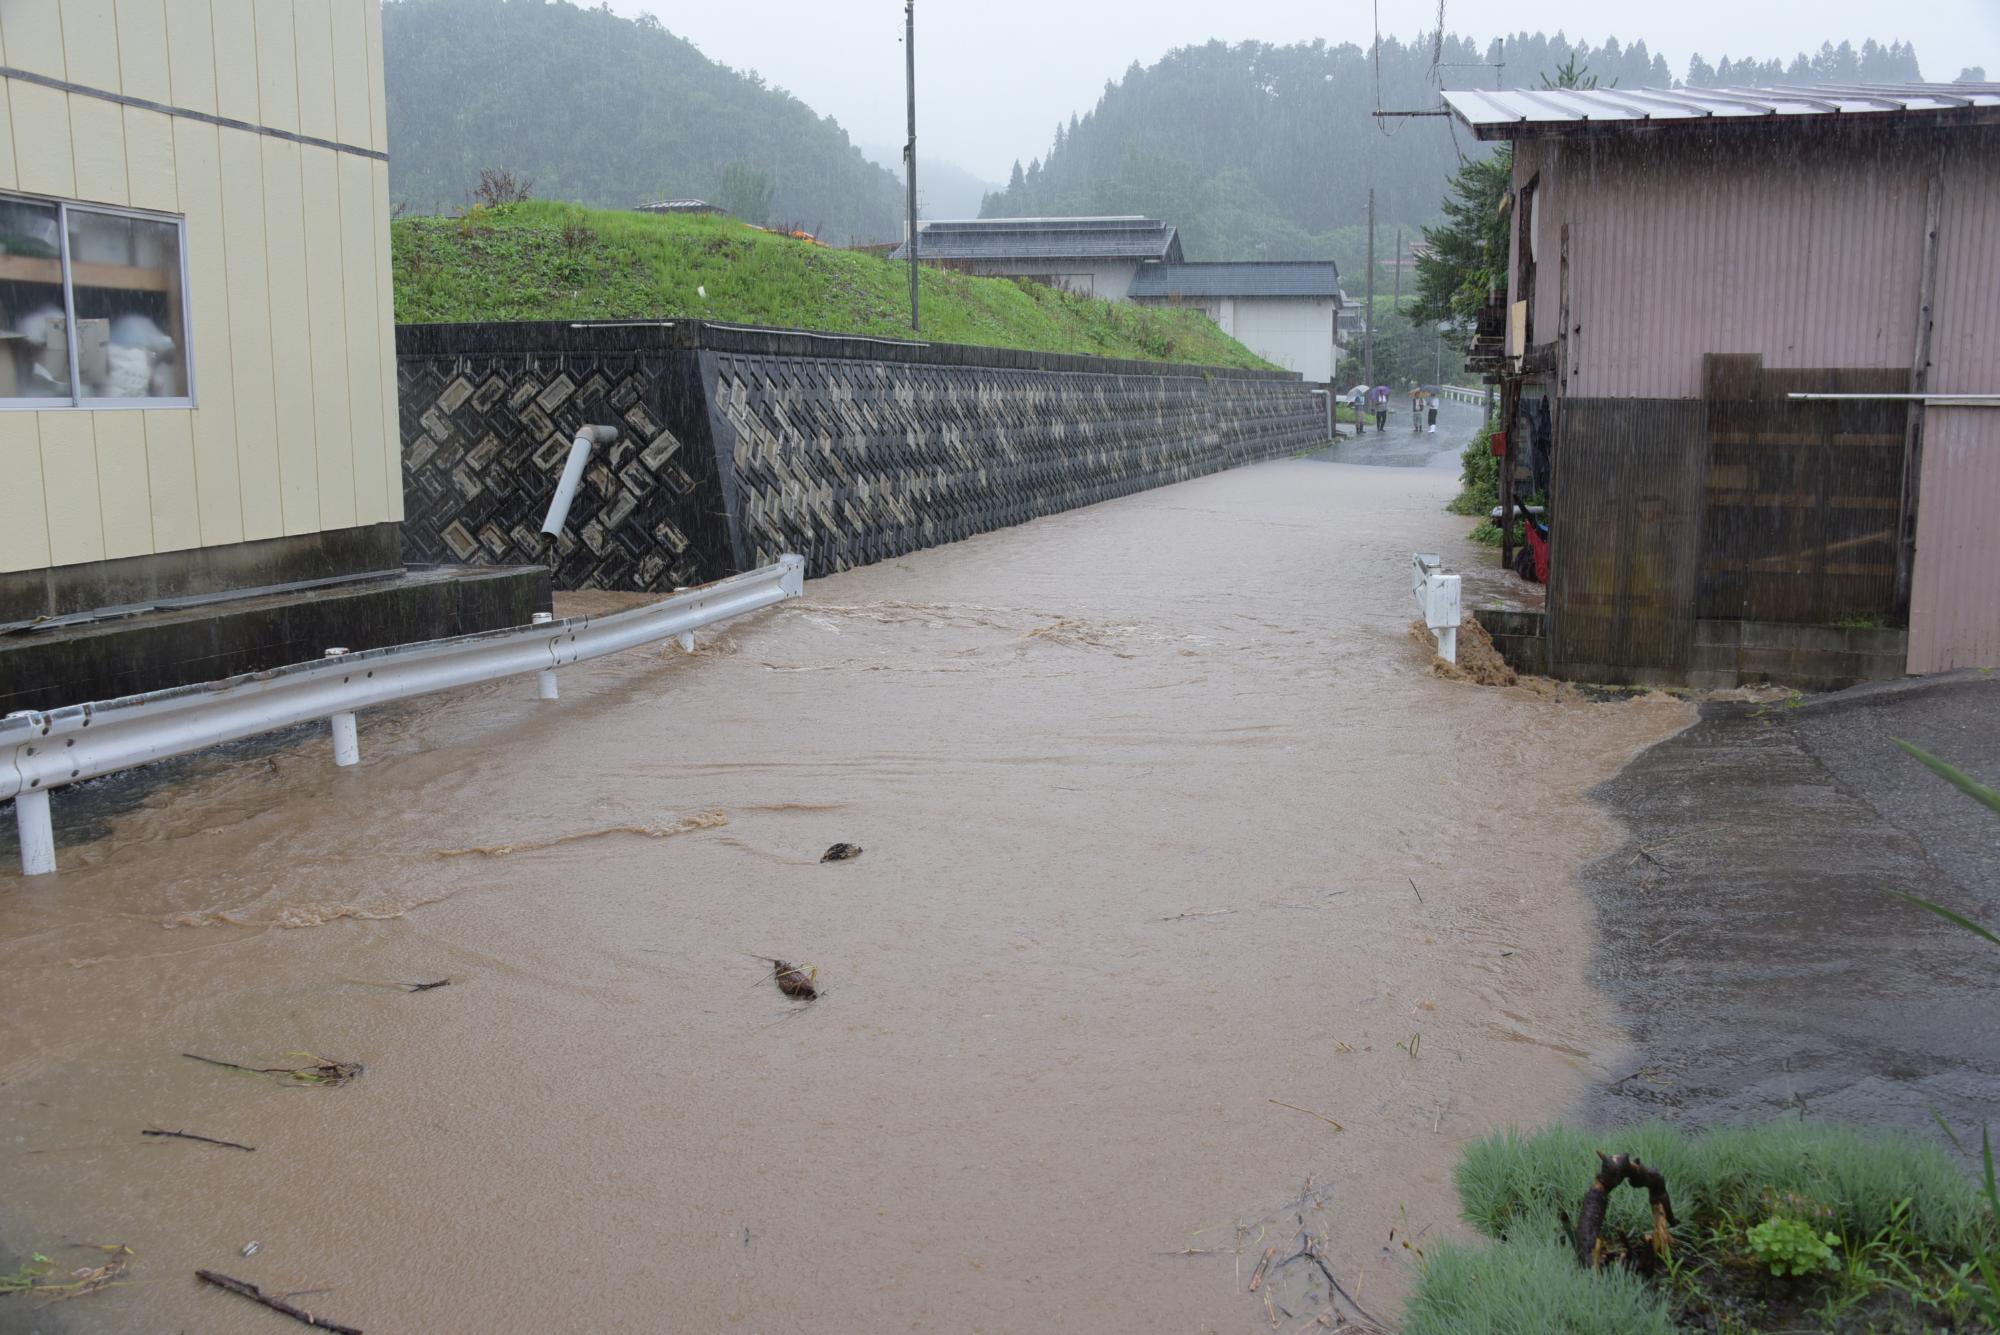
740,444
1727,654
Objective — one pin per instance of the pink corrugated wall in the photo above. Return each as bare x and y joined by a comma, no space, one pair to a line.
1806,251
1954,609
1809,250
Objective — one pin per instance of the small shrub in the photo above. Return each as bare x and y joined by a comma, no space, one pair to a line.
1791,1246
1479,477
500,186
576,232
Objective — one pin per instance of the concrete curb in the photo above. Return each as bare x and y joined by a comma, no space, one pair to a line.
1882,692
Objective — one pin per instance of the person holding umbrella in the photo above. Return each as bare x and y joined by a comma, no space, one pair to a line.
1431,408
1378,398
1357,399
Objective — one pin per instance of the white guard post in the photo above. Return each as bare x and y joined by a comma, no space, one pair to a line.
1437,598
40,751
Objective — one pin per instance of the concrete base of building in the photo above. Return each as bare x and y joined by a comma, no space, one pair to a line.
1727,654
129,652
139,581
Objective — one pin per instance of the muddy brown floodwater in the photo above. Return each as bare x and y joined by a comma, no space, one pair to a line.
1166,826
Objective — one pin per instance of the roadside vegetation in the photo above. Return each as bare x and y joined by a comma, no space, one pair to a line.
543,260
1479,488
1785,1226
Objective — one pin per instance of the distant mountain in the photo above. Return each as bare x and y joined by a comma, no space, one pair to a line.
944,189
609,111
1268,152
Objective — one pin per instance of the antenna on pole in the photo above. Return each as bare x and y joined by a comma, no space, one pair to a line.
910,149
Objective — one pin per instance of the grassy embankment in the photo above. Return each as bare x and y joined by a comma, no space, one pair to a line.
542,260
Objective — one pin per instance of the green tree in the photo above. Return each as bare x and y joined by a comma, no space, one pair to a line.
746,192
1464,260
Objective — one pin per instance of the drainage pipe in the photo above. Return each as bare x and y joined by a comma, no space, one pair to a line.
587,438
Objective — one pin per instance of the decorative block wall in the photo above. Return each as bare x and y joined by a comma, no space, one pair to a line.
739,445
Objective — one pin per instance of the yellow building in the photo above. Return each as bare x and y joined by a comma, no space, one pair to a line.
196,339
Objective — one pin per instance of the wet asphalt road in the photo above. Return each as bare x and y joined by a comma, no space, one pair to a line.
1749,933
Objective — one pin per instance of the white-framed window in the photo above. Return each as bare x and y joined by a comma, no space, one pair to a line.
93,307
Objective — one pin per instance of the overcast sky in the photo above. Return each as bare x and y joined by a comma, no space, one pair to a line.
991,91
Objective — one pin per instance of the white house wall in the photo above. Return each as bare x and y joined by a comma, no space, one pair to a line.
1107,280
294,425
1293,332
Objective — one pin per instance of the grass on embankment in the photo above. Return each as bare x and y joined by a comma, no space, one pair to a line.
1905,1225
542,260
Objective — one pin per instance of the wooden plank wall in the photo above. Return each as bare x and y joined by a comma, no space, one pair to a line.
1626,527
1800,519
293,339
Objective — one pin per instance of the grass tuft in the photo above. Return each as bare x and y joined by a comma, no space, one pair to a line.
1531,1285
1729,1171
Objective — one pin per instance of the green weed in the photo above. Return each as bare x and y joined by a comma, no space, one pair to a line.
1791,1246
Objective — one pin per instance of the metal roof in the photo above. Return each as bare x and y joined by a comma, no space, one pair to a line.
1048,239
681,206
1521,112
1267,278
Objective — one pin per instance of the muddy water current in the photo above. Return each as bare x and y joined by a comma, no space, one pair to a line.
1167,826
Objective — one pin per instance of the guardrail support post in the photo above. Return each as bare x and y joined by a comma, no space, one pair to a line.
686,639
545,680
346,738
38,834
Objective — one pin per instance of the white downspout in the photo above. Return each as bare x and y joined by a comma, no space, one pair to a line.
572,476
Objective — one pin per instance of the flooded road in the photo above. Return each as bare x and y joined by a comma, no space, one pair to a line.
1175,855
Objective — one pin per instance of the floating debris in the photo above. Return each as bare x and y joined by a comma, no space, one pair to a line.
795,981
252,1248
313,1071
35,1278
841,853
206,1140
256,1295
427,987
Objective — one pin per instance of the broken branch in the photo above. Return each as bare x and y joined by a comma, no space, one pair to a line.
206,1140
256,1295
1613,1170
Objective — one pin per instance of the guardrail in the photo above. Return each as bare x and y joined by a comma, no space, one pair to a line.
1475,398
1437,599
43,751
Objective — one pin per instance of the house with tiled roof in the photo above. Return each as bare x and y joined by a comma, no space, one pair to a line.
1094,257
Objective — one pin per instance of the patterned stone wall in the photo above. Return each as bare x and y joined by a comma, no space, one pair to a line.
485,437
851,462
739,445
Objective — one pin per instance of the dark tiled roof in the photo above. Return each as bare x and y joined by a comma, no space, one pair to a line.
1272,278
1049,239
1513,113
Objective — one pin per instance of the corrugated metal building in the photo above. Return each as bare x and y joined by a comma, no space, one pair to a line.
1681,262
197,350
196,325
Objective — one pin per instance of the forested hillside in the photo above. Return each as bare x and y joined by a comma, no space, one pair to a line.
604,110
1262,151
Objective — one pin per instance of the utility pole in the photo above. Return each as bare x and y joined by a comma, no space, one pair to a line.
1368,310
1396,302
910,149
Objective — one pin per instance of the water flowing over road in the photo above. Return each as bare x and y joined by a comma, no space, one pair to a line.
1176,854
